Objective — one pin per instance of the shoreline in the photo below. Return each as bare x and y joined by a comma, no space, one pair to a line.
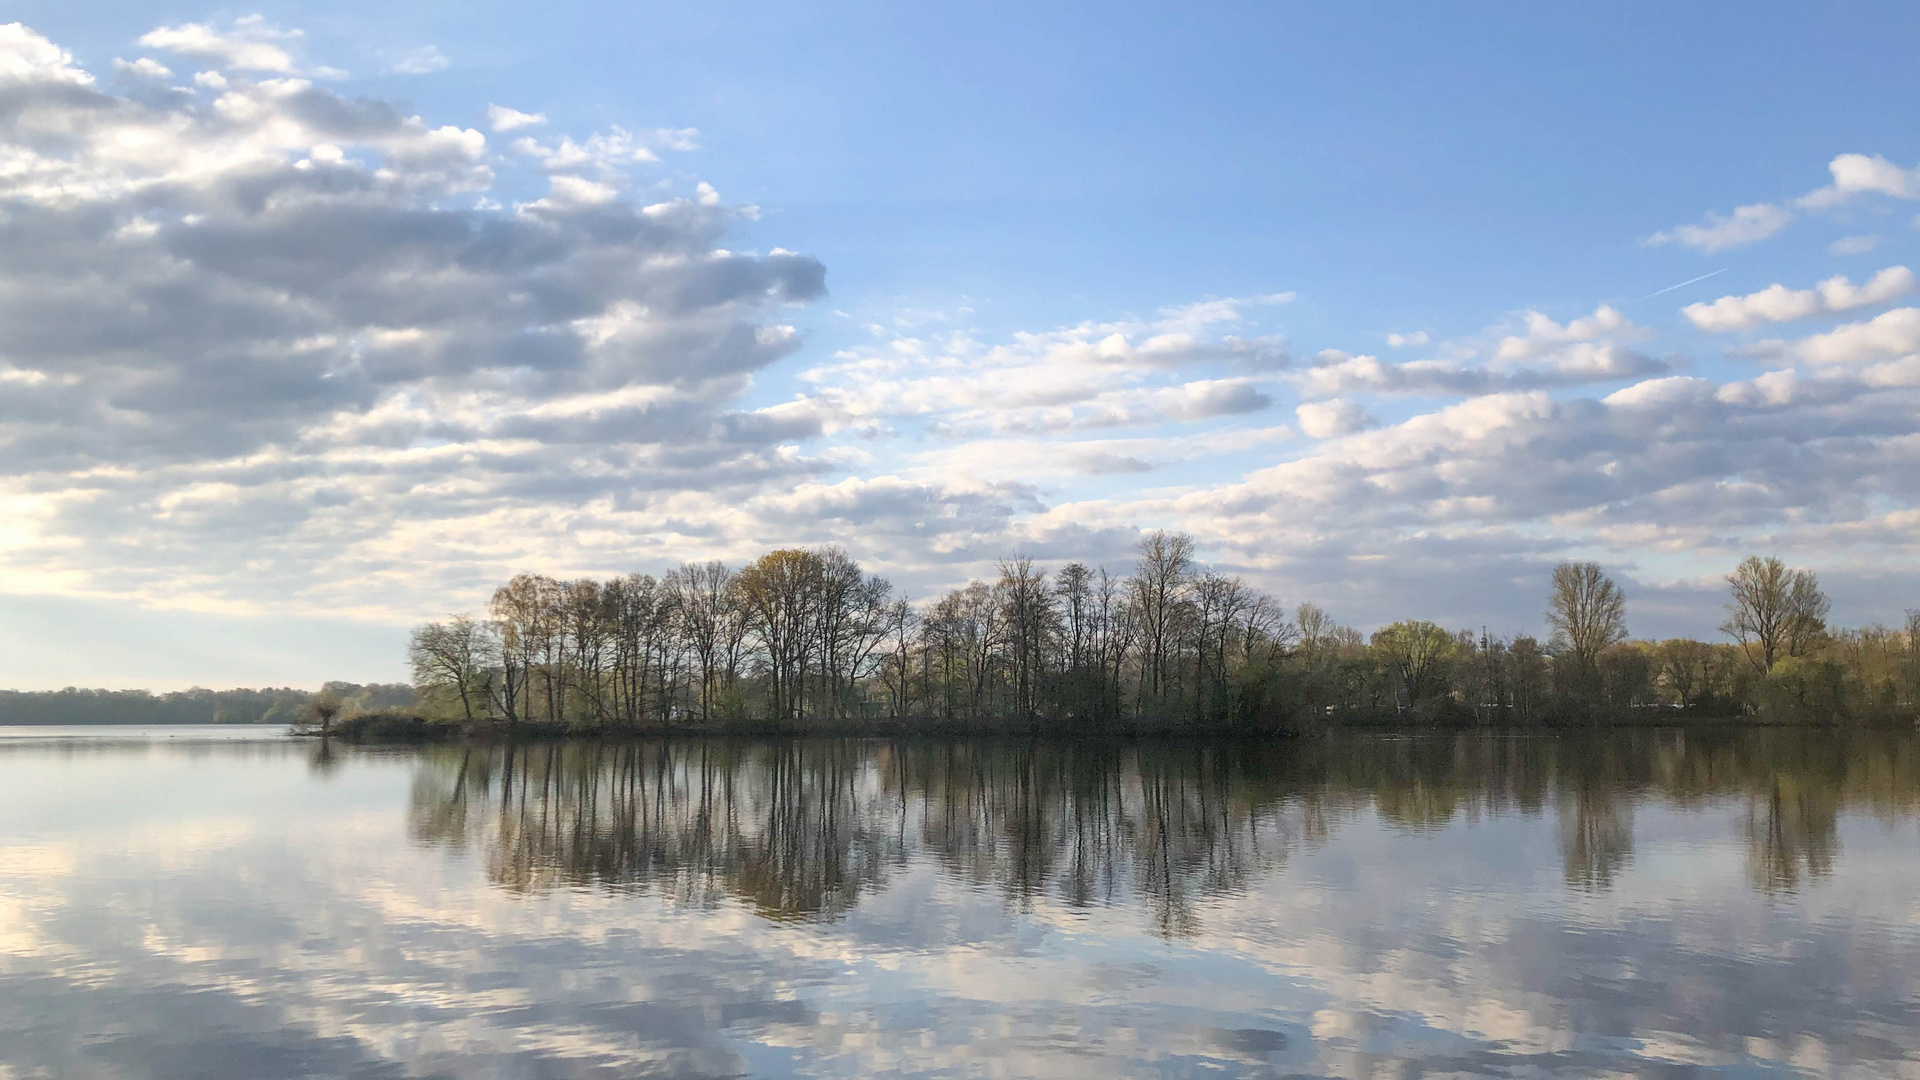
390,730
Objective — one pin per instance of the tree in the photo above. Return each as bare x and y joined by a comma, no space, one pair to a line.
452,657
777,593
1588,611
704,607
323,707
1031,624
1773,612
1417,652
1158,586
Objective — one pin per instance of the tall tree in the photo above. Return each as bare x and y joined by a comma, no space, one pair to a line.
1773,611
778,592
453,657
1157,589
1588,611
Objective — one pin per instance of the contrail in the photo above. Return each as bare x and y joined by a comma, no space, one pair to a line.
1682,285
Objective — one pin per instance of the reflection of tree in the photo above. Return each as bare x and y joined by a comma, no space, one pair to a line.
1596,834
805,828
1793,833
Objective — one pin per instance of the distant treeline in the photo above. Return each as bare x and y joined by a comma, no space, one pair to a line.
805,639
268,705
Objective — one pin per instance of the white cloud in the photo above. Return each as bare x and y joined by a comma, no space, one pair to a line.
420,61
269,341
1335,373
1746,225
250,44
1328,419
1859,174
502,118
1894,333
259,354
1853,245
1402,341
144,68
1544,336
1777,303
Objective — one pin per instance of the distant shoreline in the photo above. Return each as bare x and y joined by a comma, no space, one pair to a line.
390,729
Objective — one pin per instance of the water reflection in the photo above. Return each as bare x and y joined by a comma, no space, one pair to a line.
806,828
1641,904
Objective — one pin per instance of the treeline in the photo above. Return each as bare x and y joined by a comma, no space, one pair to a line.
805,639
268,705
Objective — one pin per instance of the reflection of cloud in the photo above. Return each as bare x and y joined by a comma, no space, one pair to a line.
318,940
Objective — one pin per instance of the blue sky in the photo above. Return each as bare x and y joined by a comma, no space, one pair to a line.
984,187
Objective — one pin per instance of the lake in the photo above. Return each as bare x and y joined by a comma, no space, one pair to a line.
224,903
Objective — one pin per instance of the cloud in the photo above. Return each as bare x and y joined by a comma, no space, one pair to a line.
1544,336
420,61
1747,225
1853,245
250,44
1402,341
502,118
1892,334
1335,373
1859,174
259,332
267,348
1328,419
144,68
1777,303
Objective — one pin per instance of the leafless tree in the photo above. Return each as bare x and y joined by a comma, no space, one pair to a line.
1588,611
455,656
1773,611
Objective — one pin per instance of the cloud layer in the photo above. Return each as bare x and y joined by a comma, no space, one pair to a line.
269,347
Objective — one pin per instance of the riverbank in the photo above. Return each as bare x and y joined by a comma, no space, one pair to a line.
405,728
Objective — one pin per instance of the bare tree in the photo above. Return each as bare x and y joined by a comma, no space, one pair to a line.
1588,611
777,592
453,656
1158,586
1031,619
703,602
1773,611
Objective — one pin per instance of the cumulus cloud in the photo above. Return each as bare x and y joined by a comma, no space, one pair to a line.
250,44
266,346
1402,341
1853,245
1777,303
1328,419
1544,336
502,118
258,333
1869,346
1859,174
1334,373
144,68
1746,225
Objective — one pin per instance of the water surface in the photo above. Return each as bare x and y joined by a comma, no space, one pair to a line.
193,902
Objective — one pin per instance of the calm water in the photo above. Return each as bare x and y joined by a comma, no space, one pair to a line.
196,903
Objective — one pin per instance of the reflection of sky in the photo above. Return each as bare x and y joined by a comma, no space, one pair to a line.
233,912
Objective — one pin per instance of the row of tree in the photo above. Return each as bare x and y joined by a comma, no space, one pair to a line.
269,705
806,639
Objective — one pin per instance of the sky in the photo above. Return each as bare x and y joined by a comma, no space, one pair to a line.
317,321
